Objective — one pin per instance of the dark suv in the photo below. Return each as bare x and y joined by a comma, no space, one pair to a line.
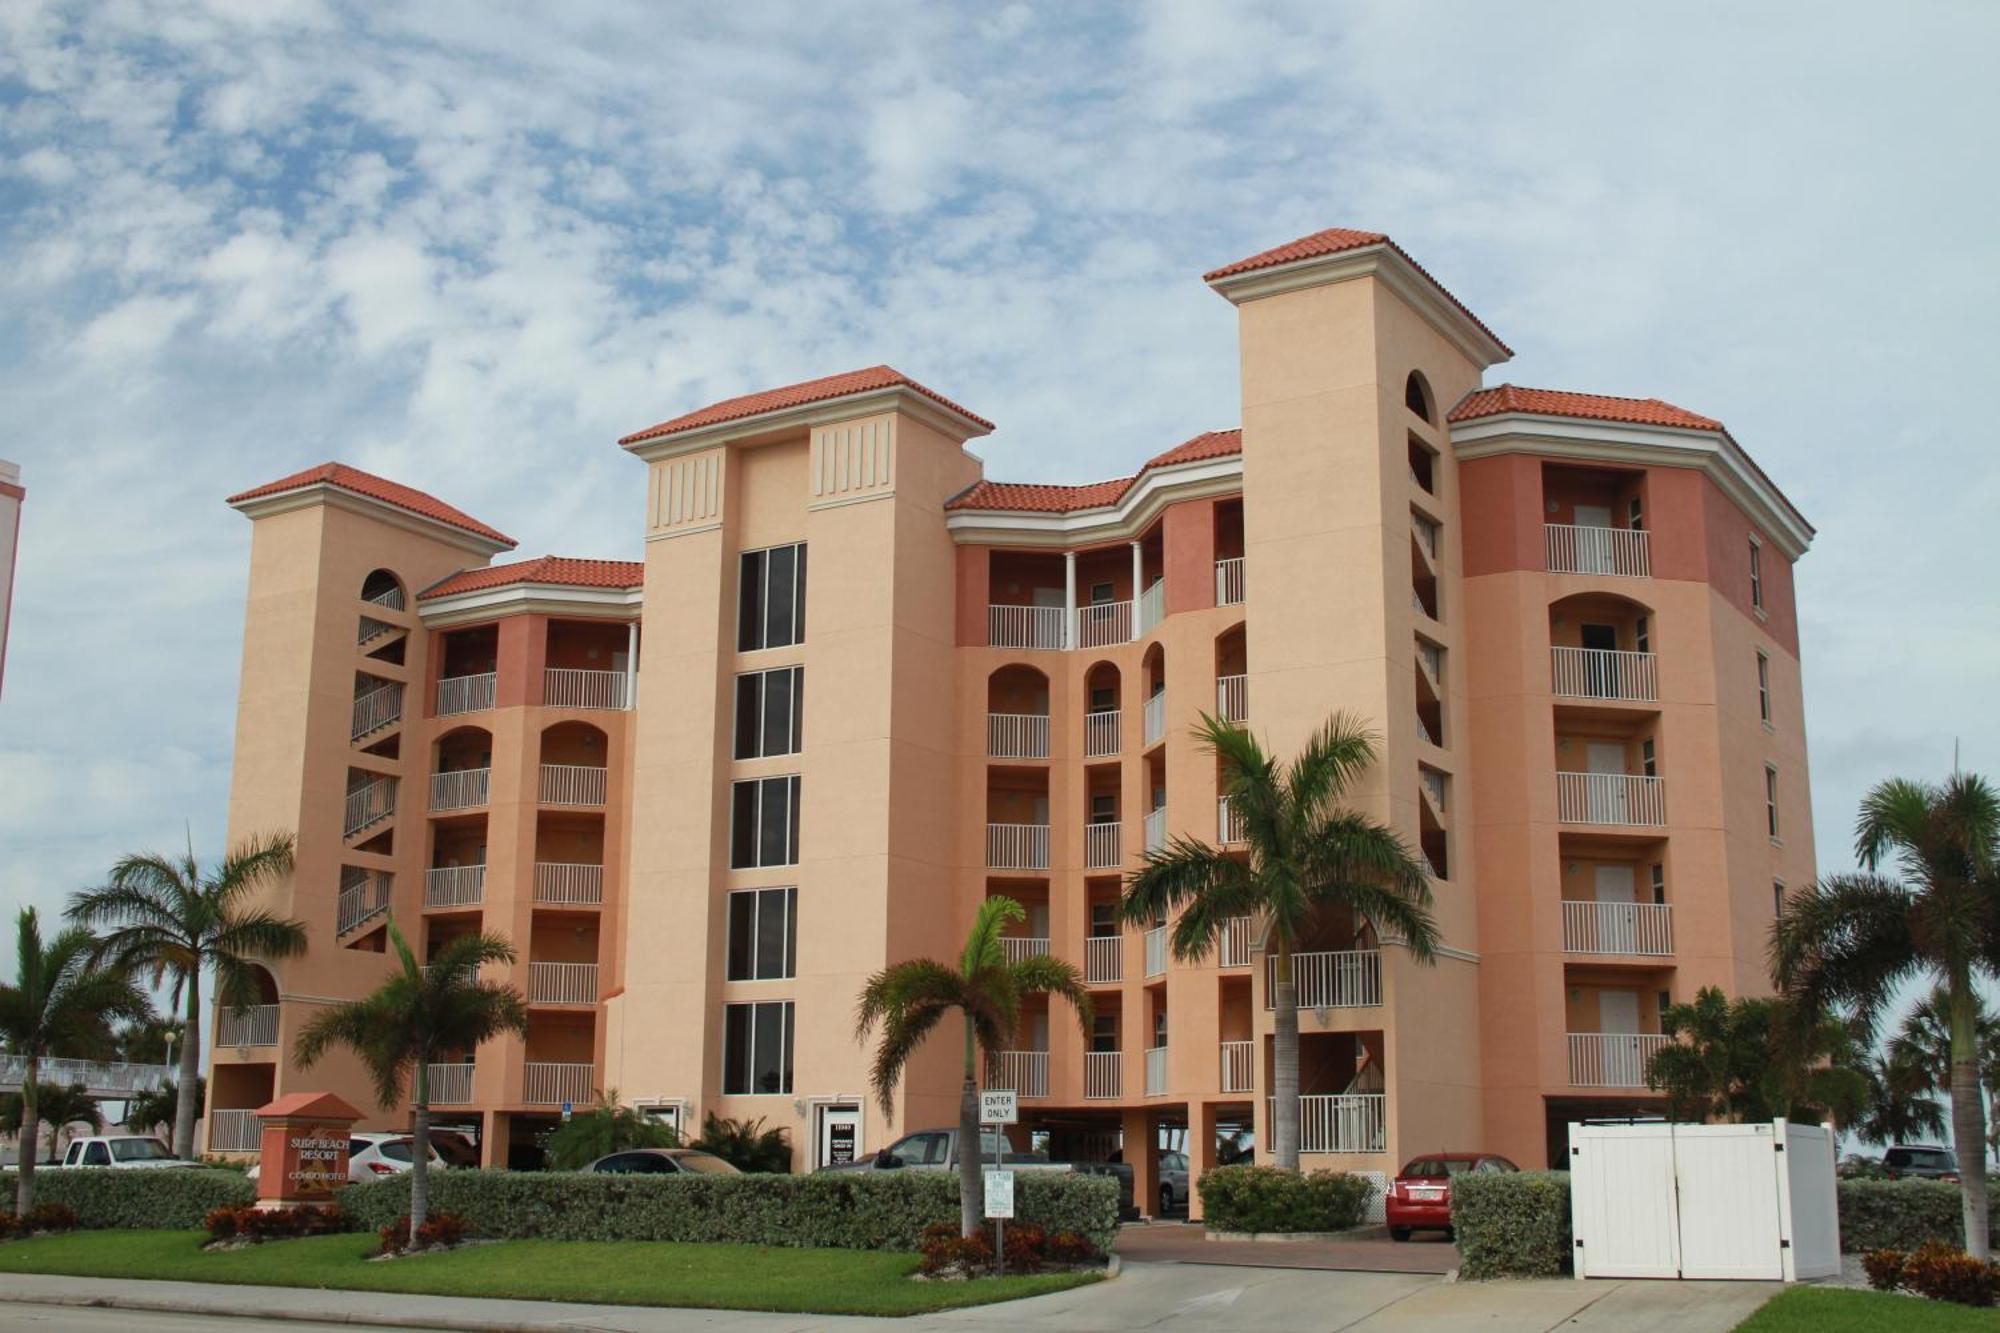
1920,1163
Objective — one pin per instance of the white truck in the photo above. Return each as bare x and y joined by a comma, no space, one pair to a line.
120,1152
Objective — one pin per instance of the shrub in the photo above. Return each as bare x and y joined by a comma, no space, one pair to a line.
1943,1273
438,1230
1884,1268
1026,1248
746,1145
1066,1247
860,1210
1265,1198
48,1215
9,1226
252,1223
168,1200
1899,1215
1511,1224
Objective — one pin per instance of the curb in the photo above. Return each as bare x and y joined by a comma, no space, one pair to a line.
169,1305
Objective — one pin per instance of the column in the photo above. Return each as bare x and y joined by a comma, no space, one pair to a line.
632,665
1069,599
1144,1156
1200,1152
1138,587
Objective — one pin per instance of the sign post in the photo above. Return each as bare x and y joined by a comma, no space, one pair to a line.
303,1152
999,1107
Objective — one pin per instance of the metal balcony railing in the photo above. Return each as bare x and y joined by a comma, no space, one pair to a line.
1017,735
1604,673
1152,606
1026,1072
1101,1073
572,784
1104,959
1238,934
551,1083
376,709
1624,552
390,599
254,1026
1232,698
465,694
1239,1064
1019,948
1611,1059
450,1085
562,983
570,687
454,886
1025,627
460,789
1645,929
1101,733
236,1130
1156,1071
1017,846
1103,623
1156,829
1626,800
364,895
1156,717
368,804
1229,582
1156,952
1341,979
569,884
1101,846
1229,826
1352,1122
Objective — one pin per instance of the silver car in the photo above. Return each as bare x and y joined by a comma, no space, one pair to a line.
1173,1183
663,1162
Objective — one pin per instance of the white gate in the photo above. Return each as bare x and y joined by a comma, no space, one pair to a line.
1751,1201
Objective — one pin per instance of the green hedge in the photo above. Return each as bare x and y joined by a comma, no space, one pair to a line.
1900,1214
150,1200
1511,1224
1264,1198
857,1210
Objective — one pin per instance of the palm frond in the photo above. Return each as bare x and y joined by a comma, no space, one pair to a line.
909,985
253,864
982,942
902,1032
1043,975
1845,942
1179,873
1332,758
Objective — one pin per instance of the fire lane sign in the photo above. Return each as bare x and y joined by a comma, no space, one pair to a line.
999,1195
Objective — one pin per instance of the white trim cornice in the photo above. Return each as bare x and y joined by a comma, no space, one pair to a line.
339,497
1127,518
1711,452
1388,265
513,599
825,411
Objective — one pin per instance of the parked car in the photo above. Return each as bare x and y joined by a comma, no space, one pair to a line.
1920,1161
121,1152
937,1150
1173,1183
1419,1198
663,1162
455,1147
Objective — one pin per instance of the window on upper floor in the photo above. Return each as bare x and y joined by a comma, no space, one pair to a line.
1771,799
1635,514
1756,574
764,823
771,598
770,712
1417,395
1649,758
757,1049
1777,897
763,934
1658,880
1764,687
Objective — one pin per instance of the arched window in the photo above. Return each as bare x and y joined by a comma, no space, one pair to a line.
381,588
1417,395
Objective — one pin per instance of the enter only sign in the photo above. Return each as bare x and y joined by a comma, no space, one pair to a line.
998,1106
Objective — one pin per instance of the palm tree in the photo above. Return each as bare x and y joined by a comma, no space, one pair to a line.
1900,1109
910,999
1924,1040
1854,940
58,1106
1306,854
172,916
417,1016
603,1129
59,1004
1755,1058
147,1111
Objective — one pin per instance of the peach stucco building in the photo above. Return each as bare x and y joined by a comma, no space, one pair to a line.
1569,617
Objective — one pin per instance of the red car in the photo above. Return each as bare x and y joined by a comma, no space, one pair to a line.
1419,1198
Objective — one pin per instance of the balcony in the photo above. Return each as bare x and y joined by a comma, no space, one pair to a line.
1340,979
567,687
460,789
568,884
1229,582
1020,948
1239,1065
1623,552
1232,698
376,709
1604,673
1101,737
1026,1072
454,886
1156,830
1611,1059
465,694
371,629
254,1026
1017,735
1156,717
1229,826
1104,960
364,895
1017,846
236,1130
572,784
1612,800
1025,627
1152,606
1349,1122
1103,623
550,1083
1238,934
1101,1074
450,1085
1641,929
1156,1071
1156,952
562,983
1101,846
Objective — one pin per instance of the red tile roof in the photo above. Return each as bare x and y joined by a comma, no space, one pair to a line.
1590,406
376,488
557,570
1033,498
797,395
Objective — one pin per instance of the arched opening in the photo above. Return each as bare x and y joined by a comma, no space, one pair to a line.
1154,669
1017,713
382,588
463,773
464,748
1417,395
248,1015
1601,647
1232,667
574,759
1103,712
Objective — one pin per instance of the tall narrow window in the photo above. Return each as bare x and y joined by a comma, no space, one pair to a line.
1771,799
757,1049
763,934
1635,514
1659,882
1777,897
1649,761
1104,807
1756,574
1763,687
1642,634
770,712
764,822
771,598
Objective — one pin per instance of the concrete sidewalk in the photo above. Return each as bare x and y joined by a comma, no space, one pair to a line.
1192,1297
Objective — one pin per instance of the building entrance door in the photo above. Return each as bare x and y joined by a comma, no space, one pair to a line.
837,1135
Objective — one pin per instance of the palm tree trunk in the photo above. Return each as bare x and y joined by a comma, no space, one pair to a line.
184,1099
31,1138
420,1151
1285,1062
1968,1117
971,1185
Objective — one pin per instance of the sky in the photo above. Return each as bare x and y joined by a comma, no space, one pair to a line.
467,246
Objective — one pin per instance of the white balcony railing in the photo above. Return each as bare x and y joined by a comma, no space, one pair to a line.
1238,934
234,1131
1611,1059
550,1083
1100,1073
1229,826
255,1026
1229,582
1026,1072
450,1085
568,884
1017,846
454,886
1156,1071
572,784
1020,948
1586,550
1103,623
1232,698
1101,733
370,803
562,983
569,687
1352,1122
1156,952
1618,928
460,789
465,694
390,599
1101,846
1239,1063
1156,830
1156,717
1025,627
1152,606
376,709
1104,959
371,629
364,895
1626,800
1604,673
1342,979
1017,735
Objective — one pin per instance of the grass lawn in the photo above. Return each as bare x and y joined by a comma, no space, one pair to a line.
1819,1310
723,1277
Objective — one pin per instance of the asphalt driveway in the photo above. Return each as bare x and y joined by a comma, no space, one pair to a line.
1188,1243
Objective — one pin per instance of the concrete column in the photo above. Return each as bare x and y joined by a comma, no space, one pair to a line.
1200,1152
1144,1157
632,665
1069,599
1138,584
